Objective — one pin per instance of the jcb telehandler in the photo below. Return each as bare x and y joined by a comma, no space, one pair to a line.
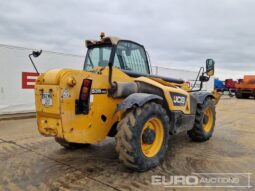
116,95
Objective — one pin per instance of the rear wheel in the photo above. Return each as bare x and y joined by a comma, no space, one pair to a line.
241,95
246,96
70,146
238,94
142,138
204,122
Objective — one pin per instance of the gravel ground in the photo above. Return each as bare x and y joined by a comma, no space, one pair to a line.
29,161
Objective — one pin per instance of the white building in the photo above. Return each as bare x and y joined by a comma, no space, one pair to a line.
17,75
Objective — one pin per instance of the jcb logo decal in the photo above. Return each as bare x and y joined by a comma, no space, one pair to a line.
178,99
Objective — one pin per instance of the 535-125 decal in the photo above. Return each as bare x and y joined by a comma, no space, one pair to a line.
99,91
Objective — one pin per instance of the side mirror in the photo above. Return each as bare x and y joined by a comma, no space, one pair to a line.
36,53
210,67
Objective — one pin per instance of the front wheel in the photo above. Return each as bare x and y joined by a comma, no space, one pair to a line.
204,121
142,138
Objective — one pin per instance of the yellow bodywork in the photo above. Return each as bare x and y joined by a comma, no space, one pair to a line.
60,120
216,96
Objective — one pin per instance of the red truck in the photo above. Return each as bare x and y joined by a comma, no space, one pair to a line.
230,84
245,88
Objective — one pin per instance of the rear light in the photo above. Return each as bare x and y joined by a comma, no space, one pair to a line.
82,105
87,82
84,93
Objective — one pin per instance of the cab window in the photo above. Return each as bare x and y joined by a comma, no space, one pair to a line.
131,56
97,56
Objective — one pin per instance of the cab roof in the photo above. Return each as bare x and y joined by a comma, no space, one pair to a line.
109,40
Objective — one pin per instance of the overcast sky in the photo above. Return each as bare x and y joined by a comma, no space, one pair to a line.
176,33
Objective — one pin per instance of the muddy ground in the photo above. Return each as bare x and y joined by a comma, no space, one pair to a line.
29,161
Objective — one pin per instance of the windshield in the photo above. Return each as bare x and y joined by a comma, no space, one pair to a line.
97,56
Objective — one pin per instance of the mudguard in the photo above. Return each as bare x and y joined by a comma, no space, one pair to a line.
200,96
136,99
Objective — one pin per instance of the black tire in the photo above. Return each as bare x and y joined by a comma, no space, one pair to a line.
129,140
70,146
238,94
198,133
246,96
241,95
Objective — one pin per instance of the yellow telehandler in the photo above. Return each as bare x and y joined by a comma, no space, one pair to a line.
116,95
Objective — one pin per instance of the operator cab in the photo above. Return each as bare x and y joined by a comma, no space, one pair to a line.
127,56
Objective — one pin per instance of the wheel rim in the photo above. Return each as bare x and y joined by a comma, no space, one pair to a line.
208,119
152,137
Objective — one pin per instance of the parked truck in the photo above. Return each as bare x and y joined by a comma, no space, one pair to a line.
245,88
219,85
225,86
